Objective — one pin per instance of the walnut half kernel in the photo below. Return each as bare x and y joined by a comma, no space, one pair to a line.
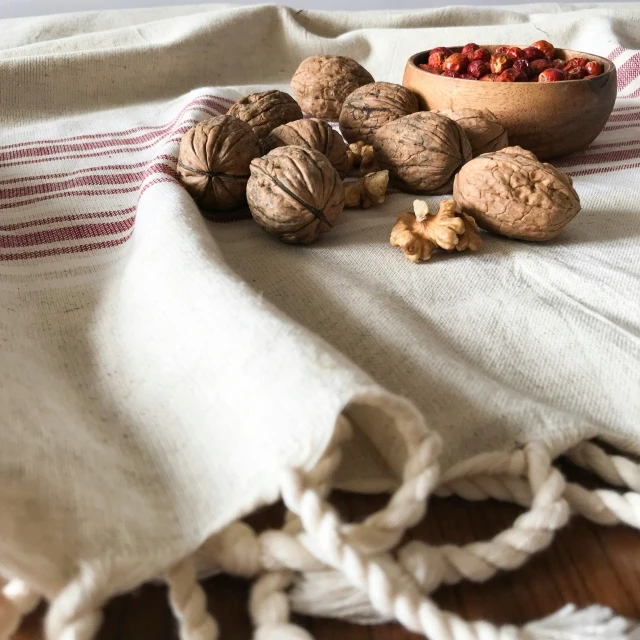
420,233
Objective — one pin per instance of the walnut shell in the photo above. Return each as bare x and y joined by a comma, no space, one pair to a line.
295,194
265,111
369,107
213,162
321,84
512,193
422,151
313,134
484,131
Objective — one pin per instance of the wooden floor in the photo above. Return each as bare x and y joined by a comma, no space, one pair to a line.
587,564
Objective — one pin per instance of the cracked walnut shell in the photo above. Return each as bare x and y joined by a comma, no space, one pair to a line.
314,134
422,151
484,131
512,193
265,111
321,84
213,162
419,234
369,107
295,194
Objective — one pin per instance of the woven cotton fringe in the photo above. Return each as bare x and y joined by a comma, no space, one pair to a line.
319,565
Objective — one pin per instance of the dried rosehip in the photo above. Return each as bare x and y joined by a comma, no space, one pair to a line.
444,50
501,51
429,68
538,66
478,68
558,64
515,52
531,54
480,54
436,59
469,48
490,77
576,73
451,74
511,75
466,76
523,67
456,62
551,75
546,47
593,68
575,62
499,63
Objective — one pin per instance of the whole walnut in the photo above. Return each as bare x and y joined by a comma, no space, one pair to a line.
321,84
422,151
512,193
314,134
295,194
265,111
213,162
369,107
484,131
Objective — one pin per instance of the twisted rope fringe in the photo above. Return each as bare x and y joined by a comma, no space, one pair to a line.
323,556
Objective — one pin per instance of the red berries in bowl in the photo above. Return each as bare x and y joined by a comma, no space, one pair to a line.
535,63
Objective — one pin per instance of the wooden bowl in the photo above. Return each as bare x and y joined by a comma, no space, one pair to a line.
549,118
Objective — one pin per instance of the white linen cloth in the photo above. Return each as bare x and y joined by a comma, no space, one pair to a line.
160,373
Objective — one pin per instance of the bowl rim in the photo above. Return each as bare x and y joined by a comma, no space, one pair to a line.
609,66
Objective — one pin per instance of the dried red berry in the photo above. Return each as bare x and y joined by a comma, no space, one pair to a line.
448,52
593,68
510,75
456,62
501,51
523,67
478,68
480,54
531,54
499,63
575,62
437,59
451,74
491,77
551,75
430,69
558,64
576,73
469,48
546,47
515,52
538,66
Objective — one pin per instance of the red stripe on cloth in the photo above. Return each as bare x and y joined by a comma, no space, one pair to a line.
596,170
618,109
635,94
609,145
599,158
64,234
207,100
105,179
629,71
618,127
616,52
67,218
58,251
625,117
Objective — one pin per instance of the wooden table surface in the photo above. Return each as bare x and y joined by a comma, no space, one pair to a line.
587,564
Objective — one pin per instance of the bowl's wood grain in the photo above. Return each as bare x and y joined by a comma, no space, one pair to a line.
549,118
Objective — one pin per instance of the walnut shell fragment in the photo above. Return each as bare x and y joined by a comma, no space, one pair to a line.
361,157
367,191
313,134
483,129
419,234
422,151
213,162
295,194
321,84
368,108
512,193
265,111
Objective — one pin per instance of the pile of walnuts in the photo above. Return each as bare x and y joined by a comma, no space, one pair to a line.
293,172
